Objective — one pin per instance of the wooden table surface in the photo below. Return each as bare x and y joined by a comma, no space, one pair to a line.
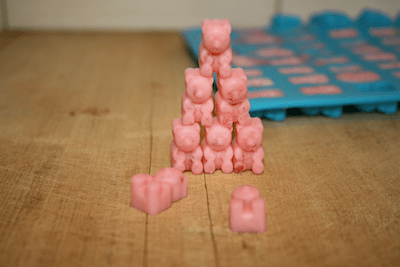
81,113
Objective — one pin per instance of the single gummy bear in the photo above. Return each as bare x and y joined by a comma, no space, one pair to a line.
150,195
248,154
186,153
231,100
154,194
217,148
197,101
176,180
247,210
215,52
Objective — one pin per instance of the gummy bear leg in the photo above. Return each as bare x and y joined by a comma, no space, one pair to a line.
227,167
207,120
225,71
179,165
257,168
239,167
209,167
206,70
226,120
197,167
187,118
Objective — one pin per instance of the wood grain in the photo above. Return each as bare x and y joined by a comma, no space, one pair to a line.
80,113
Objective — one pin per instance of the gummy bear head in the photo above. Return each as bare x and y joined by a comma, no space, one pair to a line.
186,137
234,88
218,137
249,137
216,35
198,88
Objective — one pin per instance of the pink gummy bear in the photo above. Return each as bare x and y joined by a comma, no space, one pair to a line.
215,52
247,210
231,102
197,101
186,153
176,179
248,153
217,148
154,194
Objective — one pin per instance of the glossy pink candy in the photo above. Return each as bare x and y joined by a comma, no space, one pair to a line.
248,153
154,194
231,100
215,52
197,101
186,153
217,148
247,210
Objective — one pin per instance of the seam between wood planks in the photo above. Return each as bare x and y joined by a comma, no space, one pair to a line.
216,257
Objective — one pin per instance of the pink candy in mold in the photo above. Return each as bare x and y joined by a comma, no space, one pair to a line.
231,100
154,194
215,52
248,153
217,148
186,153
197,101
247,210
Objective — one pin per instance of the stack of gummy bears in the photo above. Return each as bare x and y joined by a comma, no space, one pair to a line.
216,151
154,194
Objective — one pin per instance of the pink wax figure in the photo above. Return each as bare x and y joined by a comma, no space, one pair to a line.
217,148
154,194
197,101
248,153
215,52
247,210
186,153
231,100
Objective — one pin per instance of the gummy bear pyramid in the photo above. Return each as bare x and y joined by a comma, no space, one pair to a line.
216,151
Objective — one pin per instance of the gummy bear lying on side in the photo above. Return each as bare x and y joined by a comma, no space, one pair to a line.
154,194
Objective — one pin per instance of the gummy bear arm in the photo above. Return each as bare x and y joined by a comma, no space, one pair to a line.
238,152
177,154
205,56
246,105
187,104
222,104
208,106
197,153
258,154
229,153
226,56
209,154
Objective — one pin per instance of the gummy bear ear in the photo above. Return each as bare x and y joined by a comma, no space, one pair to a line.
239,73
176,124
189,74
238,127
205,23
258,123
227,25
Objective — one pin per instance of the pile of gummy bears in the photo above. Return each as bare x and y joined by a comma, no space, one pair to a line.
217,151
